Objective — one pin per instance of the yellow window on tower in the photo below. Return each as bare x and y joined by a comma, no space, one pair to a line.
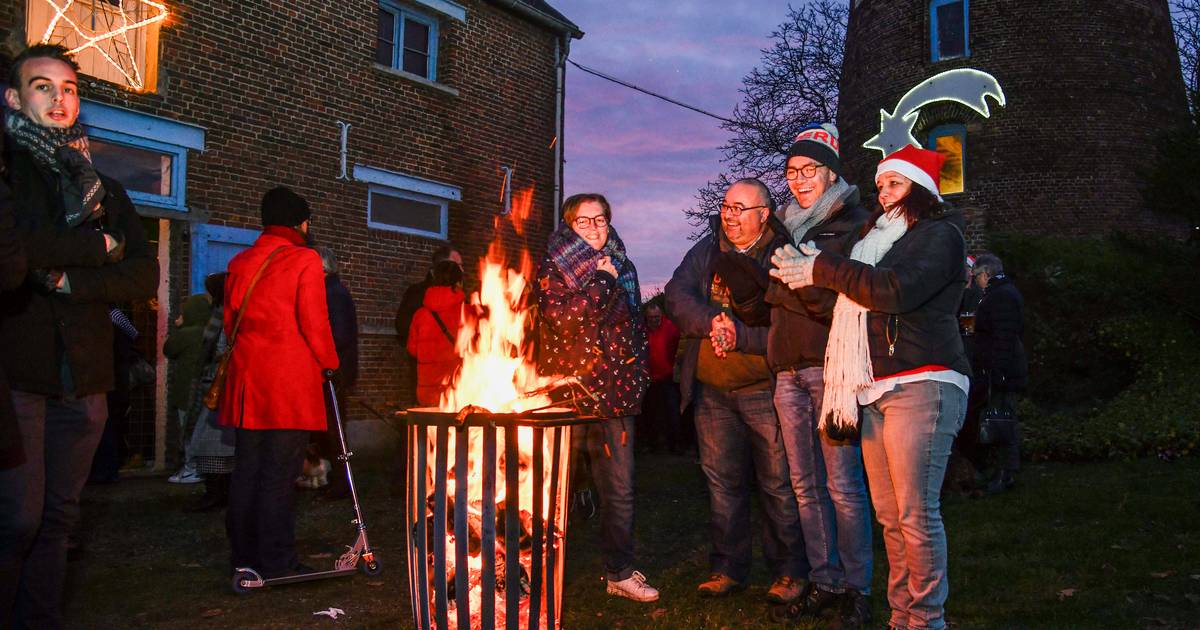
113,40
949,140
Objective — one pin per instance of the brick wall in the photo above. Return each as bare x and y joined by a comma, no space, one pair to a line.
1089,85
269,79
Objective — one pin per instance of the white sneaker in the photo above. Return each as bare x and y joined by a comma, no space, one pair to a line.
187,474
634,587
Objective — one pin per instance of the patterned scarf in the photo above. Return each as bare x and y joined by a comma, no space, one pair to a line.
848,355
65,153
800,220
576,259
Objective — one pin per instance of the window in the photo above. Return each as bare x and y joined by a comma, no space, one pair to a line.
213,246
406,40
950,141
147,154
948,29
403,203
113,40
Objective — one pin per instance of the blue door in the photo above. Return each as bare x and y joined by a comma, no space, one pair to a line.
213,246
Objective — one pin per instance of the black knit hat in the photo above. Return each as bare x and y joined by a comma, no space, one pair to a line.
281,206
819,142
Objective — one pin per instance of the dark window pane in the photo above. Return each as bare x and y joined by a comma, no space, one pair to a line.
416,36
407,213
384,54
416,63
137,169
951,30
385,38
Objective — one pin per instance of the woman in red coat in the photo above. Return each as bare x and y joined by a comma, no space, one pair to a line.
433,332
273,392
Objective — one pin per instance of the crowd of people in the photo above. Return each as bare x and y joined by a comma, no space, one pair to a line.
829,352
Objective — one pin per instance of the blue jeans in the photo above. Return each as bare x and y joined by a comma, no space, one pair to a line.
737,431
39,504
610,448
831,492
906,438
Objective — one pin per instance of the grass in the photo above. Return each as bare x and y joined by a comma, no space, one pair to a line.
1109,545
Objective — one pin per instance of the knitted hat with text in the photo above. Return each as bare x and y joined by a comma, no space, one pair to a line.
819,141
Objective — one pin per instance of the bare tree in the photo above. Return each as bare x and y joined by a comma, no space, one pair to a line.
1186,17
795,84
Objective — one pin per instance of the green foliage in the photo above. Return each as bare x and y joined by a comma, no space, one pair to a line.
1171,185
1113,334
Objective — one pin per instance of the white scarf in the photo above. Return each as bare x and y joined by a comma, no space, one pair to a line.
848,355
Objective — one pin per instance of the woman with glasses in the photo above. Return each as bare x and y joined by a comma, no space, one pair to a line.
894,352
590,327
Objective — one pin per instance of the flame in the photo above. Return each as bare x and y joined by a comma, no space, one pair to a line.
498,373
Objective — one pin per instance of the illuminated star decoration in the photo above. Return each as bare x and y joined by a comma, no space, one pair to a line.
964,86
108,34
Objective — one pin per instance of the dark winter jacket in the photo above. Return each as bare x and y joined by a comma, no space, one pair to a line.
185,348
12,274
410,302
999,326
800,319
592,333
343,322
433,347
913,295
690,304
40,330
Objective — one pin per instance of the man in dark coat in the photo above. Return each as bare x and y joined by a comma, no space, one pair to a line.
999,362
343,322
12,274
725,370
55,330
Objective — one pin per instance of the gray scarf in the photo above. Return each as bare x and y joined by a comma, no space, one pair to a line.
65,153
800,220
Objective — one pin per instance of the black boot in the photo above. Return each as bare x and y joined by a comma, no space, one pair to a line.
216,495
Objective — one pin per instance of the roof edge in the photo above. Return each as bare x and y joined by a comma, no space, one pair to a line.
544,15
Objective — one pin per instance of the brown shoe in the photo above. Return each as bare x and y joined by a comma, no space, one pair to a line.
719,585
784,590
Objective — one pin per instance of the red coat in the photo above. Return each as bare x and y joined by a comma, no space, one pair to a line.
664,343
433,350
274,379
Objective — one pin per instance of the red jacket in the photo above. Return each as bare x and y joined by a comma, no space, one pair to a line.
433,350
284,342
664,343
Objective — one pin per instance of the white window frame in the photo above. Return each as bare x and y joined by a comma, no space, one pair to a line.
400,14
399,185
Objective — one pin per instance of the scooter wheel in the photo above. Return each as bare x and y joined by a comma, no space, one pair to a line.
372,568
239,578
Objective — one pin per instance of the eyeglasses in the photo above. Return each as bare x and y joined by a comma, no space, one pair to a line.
808,171
585,222
737,209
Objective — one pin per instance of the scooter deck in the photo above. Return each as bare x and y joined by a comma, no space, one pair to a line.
305,577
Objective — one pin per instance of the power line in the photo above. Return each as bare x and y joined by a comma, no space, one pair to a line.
649,93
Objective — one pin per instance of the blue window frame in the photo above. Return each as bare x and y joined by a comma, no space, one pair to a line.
403,203
406,40
949,29
951,141
213,246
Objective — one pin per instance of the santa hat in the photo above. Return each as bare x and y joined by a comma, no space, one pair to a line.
818,141
922,166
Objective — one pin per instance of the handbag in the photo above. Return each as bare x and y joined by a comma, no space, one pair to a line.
998,421
212,398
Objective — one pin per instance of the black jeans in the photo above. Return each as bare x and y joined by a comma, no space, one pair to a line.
260,522
660,424
39,504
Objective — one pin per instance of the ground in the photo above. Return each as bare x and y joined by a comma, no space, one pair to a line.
1110,545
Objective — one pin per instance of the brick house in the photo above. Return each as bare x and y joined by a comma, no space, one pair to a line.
405,123
1087,98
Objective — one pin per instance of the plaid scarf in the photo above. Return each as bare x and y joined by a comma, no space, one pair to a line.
577,261
65,153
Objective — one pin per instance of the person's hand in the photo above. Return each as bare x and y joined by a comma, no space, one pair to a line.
114,245
723,335
794,267
605,264
46,280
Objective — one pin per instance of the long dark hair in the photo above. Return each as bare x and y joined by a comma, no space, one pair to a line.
918,204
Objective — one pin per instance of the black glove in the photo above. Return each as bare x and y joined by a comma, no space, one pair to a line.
117,252
45,280
742,274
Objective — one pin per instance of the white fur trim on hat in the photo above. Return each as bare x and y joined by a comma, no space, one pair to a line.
911,171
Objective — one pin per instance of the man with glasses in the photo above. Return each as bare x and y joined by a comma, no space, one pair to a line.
826,470
726,372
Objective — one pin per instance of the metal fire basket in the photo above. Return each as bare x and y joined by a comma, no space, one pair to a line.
429,436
